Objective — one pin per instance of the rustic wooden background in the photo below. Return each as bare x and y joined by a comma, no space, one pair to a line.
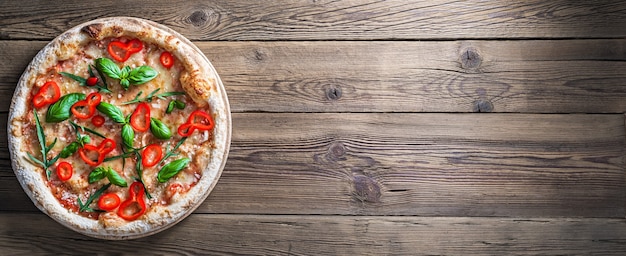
379,127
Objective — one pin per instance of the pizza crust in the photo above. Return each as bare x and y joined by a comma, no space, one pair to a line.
200,81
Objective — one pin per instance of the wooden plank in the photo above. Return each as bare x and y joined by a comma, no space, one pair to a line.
514,165
330,235
332,20
582,76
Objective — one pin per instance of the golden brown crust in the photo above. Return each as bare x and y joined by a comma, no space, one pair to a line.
201,83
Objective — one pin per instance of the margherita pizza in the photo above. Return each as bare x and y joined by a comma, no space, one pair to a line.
119,128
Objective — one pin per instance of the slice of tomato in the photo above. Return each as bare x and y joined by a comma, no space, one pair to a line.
151,155
64,171
109,202
97,120
167,60
140,118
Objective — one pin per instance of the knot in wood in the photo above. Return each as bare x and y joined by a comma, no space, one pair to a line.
470,59
483,106
198,18
333,92
336,150
366,189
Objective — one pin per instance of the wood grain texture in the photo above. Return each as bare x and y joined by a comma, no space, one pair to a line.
331,19
36,234
545,76
414,164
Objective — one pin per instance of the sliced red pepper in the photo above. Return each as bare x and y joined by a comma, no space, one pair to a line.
121,51
167,60
89,152
91,81
49,93
198,120
64,171
86,108
109,202
140,119
151,155
97,120
134,206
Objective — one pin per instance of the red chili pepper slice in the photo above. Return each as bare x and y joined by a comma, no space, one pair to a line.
167,60
91,81
121,51
135,206
198,120
86,108
64,171
90,152
49,93
97,120
140,118
109,202
151,155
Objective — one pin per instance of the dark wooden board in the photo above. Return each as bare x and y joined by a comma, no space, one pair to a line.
547,76
331,20
521,165
36,234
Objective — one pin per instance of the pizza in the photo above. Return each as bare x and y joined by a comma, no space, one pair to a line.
119,128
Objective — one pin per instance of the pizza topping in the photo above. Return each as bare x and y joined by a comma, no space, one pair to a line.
126,75
97,120
60,110
64,171
151,155
112,112
90,152
159,129
85,207
151,96
167,60
113,177
91,81
198,120
49,93
175,104
122,51
128,136
171,169
89,104
140,119
41,137
135,205
109,202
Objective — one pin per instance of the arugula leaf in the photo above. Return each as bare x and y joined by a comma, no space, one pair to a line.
170,153
151,96
112,112
85,207
83,128
80,80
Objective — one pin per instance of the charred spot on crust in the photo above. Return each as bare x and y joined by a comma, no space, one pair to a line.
117,30
93,30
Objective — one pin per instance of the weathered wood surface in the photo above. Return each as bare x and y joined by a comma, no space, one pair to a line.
36,234
331,20
545,76
413,164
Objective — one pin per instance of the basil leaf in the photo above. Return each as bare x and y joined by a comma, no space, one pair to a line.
170,107
97,174
179,104
159,129
69,150
60,110
112,112
128,135
115,178
125,83
171,169
108,67
80,80
142,75
125,72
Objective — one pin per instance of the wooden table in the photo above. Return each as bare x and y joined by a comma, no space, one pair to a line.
379,127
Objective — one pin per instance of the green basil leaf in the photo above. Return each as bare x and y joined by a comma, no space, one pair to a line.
112,112
170,107
82,81
142,75
60,110
85,139
125,72
69,150
179,104
171,169
128,135
159,129
108,67
115,178
97,174
125,83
